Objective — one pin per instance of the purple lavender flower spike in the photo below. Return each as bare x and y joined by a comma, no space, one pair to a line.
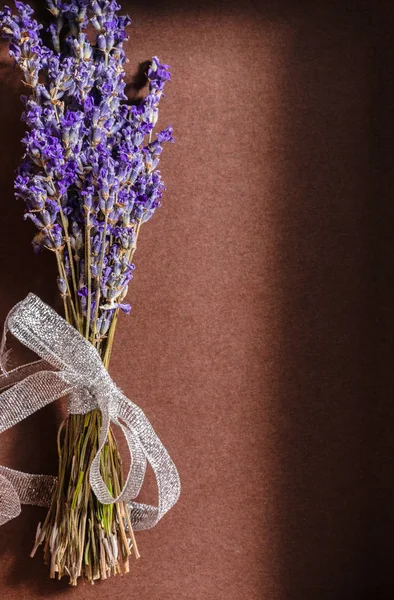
89,177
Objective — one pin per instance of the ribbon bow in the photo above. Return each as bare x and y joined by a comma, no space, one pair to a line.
70,365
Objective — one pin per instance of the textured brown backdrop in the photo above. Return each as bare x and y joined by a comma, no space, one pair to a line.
261,340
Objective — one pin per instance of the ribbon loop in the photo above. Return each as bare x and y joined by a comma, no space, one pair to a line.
79,373
10,505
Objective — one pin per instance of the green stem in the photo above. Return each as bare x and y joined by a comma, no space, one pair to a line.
64,296
88,273
63,275
111,333
71,259
98,280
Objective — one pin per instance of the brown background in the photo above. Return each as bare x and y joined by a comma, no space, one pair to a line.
261,339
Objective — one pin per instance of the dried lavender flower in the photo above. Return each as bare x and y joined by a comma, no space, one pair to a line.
89,157
89,178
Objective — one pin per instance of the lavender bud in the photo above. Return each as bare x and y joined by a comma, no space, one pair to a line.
96,8
112,294
62,285
57,236
101,42
105,323
94,21
126,308
94,269
110,41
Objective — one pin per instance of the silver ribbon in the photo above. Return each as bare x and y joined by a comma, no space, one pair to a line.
71,366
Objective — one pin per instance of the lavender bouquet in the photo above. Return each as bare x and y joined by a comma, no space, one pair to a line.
89,180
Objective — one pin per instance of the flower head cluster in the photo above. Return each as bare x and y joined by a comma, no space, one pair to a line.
89,176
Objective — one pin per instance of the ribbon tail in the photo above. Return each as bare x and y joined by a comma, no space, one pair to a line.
10,505
18,488
30,488
10,378
27,396
145,516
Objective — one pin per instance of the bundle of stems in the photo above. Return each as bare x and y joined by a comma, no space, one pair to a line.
81,536
89,180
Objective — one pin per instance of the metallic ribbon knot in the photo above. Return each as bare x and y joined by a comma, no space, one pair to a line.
71,366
